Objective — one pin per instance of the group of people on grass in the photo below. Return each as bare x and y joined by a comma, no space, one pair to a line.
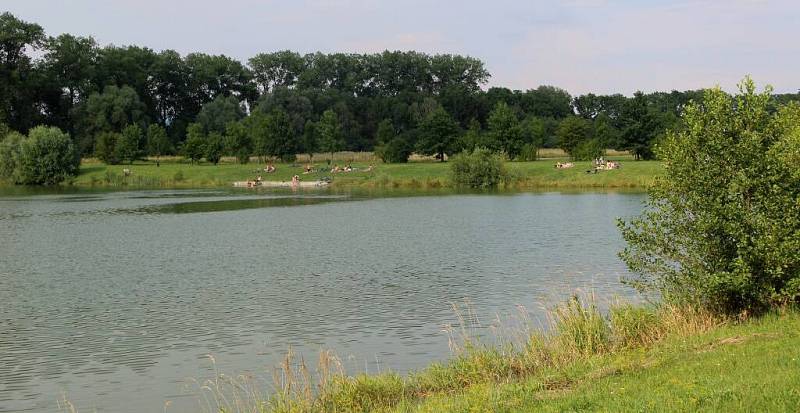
307,169
598,164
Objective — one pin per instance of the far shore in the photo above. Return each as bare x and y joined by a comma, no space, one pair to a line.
419,173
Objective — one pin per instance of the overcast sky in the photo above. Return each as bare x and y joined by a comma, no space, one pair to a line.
599,46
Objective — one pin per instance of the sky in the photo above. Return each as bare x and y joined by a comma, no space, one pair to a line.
598,46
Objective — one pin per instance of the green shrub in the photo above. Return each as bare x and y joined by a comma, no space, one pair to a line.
480,168
722,226
528,152
588,150
105,147
397,150
46,157
213,148
9,153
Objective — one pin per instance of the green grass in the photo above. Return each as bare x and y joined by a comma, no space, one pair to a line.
635,359
523,175
748,367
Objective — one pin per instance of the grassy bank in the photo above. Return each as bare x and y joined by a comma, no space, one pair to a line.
636,359
538,174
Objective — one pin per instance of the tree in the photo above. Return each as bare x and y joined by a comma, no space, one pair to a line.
105,147
640,127
17,100
213,147
281,142
277,69
438,134
330,133
217,114
238,142
46,157
110,111
473,137
722,226
571,132
129,145
310,143
69,62
505,132
157,142
194,145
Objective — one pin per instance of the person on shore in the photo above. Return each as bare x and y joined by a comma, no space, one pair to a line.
258,178
308,169
370,168
295,181
270,168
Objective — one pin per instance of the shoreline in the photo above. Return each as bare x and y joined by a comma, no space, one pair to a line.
534,175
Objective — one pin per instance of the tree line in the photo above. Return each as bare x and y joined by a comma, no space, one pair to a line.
120,103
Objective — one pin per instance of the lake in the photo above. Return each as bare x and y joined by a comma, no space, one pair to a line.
115,299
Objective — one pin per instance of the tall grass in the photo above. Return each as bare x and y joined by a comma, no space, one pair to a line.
575,331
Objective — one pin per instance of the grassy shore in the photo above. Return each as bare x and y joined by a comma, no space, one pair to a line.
637,359
175,173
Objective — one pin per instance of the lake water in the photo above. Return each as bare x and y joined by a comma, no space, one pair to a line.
115,299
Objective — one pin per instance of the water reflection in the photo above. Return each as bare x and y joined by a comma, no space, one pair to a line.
116,298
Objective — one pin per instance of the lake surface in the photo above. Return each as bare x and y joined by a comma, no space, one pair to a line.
115,299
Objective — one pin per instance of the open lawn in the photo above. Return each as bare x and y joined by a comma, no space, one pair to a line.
523,175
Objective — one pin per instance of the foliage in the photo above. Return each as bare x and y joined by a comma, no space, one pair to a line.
9,153
281,142
310,141
105,148
505,132
438,134
213,148
588,150
157,141
397,150
238,142
195,144
722,227
329,132
46,157
217,114
110,111
529,152
571,132
480,168
128,148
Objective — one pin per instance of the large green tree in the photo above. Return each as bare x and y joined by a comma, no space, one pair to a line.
329,132
18,40
438,134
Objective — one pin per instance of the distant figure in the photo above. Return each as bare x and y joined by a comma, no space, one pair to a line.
295,181
370,168
308,169
269,169
258,178
126,172
335,169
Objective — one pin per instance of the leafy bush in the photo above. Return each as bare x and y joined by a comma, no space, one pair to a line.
46,157
588,150
722,226
9,153
213,148
529,152
480,168
397,150
106,147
